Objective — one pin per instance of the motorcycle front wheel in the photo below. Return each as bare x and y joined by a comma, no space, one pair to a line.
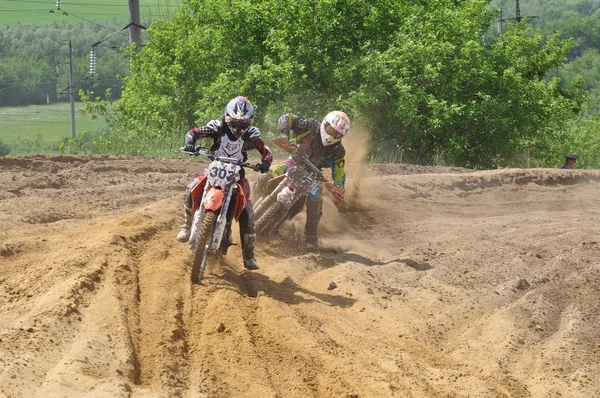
204,237
271,218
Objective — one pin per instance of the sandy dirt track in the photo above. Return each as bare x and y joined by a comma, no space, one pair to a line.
448,283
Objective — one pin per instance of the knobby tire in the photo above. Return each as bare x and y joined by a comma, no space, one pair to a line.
206,230
263,206
270,219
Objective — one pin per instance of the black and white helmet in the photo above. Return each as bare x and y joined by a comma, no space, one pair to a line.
239,115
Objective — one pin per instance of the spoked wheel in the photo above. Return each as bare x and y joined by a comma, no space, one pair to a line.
271,219
200,256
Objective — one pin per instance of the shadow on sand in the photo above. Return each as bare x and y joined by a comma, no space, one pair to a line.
346,257
254,283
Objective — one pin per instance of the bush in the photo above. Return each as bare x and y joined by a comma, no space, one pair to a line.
4,149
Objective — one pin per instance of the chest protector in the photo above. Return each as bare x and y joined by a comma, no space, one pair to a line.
230,148
314,149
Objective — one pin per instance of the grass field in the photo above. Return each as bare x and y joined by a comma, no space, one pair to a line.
38,12
29,129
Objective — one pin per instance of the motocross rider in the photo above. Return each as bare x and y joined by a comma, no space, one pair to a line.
233,135
321,143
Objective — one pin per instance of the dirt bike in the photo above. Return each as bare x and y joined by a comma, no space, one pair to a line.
287,193
222,200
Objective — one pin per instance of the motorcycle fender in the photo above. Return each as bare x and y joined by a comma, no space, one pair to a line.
273,182
214,199
240,202
286,197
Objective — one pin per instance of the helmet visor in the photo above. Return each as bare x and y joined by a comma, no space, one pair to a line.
333,132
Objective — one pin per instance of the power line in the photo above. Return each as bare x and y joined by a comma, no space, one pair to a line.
87,20
24,9
91,4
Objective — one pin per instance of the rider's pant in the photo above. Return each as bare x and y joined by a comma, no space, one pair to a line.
314,210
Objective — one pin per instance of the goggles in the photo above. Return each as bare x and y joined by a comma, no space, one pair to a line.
333,132
238,125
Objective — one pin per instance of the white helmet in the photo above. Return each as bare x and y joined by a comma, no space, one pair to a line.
239,115
334,127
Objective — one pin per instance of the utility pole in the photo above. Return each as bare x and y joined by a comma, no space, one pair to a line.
517,17
500,23
135,28
71,90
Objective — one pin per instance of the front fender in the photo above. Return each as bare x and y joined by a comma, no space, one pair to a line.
214,199
286,197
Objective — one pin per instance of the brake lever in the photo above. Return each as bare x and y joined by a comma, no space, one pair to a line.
199,151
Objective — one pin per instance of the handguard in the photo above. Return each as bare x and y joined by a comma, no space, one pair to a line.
286,145
336,192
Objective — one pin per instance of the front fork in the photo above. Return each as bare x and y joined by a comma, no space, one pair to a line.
266,202
219,230
197,221
220,225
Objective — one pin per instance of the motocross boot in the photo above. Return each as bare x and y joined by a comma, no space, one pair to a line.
248,236
248,242
260,189
184,235
227,239
313,216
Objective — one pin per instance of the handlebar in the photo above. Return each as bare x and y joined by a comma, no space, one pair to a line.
292,149
318,173
202,152
284,143
336,192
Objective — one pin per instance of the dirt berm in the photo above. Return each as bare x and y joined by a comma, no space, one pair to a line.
431,282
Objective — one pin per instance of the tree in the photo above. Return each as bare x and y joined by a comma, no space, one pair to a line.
420,75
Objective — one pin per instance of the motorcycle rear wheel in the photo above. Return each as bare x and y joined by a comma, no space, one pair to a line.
204,235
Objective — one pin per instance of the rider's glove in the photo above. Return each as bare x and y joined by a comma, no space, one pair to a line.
263,167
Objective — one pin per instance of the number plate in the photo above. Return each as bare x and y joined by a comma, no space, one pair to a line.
220,174
301,179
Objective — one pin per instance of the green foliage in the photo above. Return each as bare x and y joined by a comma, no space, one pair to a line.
46,123
585,70
419,75
4,149
119,144
581,137
38,12
33,145
34,61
